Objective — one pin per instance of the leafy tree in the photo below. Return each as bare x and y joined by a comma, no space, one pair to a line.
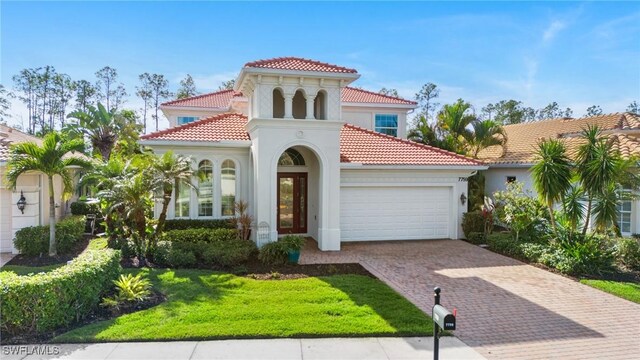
553,111
518,209
551,174
508,112
427,134
227,85
26,83
86,94
634,107
426,100
100,126
109,91
52,159
5,104
129,131
187,88
389,92
594,110
159,87
454,120
144,92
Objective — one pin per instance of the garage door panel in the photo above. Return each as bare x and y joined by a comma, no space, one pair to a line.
394,213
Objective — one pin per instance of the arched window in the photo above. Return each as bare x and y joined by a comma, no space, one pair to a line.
320,106
205,188
299,105
228,187
291,157
278,104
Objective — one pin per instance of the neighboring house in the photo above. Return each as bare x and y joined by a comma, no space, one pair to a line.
34,188
512,163
313,156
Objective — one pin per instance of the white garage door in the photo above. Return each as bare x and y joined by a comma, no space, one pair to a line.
394,213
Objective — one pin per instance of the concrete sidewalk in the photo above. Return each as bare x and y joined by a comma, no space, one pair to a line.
277,349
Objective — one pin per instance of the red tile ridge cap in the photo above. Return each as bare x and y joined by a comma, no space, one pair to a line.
383,95
258,63
176,101
416,144
191,124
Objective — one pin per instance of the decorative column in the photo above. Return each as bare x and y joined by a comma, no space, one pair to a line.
310,105
288,106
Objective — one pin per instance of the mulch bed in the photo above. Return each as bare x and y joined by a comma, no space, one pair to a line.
259,271
45,259
99,314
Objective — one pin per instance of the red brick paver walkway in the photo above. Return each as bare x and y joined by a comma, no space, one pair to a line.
506,309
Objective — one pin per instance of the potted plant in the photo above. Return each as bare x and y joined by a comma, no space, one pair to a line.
293,244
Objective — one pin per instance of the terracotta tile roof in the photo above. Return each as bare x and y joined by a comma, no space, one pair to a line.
355,95
227,126
358,145
8,136
218,99
298,64
222,99
522,139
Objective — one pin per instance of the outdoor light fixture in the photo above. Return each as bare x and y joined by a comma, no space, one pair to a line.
22,202
463,199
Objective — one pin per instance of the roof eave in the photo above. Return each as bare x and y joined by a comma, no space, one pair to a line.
199,108
221,143
380,105
350,165
314,74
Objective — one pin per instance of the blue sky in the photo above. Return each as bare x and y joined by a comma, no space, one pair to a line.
575,53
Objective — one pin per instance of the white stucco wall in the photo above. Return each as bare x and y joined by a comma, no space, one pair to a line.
496,178
365,117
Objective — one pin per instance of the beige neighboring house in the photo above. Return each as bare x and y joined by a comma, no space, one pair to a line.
514,161
35,190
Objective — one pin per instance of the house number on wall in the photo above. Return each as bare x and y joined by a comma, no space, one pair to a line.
462,179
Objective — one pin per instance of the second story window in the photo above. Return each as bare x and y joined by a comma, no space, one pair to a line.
186,119
387,124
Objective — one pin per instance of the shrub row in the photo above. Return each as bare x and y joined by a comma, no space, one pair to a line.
42,302
472,221
34,240
84,208
183,224
198,247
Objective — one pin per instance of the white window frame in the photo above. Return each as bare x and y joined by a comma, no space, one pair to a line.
377,128
195,118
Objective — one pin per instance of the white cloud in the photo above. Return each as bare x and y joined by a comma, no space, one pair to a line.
552,30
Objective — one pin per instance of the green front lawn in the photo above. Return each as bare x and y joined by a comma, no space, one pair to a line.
206,305
625,290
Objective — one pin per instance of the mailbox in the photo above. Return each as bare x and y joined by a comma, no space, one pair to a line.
444,318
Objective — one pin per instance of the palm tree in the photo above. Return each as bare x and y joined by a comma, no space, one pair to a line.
455,120
169,170
426,134
100,126
51,158
552,174
486,133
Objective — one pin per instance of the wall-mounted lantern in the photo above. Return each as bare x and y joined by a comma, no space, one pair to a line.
22,202
463,199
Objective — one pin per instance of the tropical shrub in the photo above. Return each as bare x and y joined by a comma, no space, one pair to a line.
273,253
578,254
292,242
473,221
627,252
34,240
84,208
43,302
183,224
533,251
181,258
520,211
476,238
504,243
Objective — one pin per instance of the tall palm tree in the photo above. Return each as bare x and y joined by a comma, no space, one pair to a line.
551,174
100,126
169,170
455,120
427,134
486,133
51,158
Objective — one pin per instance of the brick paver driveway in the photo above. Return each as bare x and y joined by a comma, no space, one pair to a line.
506,309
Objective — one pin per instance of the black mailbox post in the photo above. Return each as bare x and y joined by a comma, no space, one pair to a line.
442,319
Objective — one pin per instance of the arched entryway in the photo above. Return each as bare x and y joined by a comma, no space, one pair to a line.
297,199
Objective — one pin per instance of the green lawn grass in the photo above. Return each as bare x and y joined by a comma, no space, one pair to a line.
625,290
206,305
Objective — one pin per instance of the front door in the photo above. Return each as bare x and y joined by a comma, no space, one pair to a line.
292,203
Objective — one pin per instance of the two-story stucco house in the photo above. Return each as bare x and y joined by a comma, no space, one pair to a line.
313,156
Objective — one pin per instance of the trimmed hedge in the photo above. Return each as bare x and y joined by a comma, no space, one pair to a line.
184,224
42,302
34,240
84,208
472,221
197,247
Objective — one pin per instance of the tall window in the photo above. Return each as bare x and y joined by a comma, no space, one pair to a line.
186,119
624,212
387,124
228,187
183,198
205,187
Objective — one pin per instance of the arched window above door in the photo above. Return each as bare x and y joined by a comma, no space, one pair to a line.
291,157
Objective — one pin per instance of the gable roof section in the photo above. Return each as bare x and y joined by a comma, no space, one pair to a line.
357,145
223,127
367,147
355,95
218,99
298,64
222,99
522,139
8,136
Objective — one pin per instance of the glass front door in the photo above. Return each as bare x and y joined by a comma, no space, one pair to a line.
292,203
